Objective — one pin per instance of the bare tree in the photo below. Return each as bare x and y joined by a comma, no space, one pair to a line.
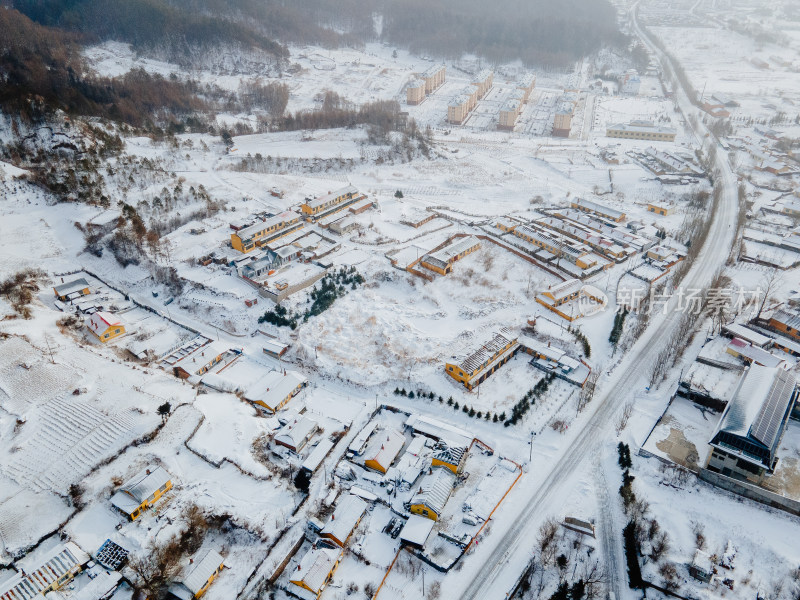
622,422
769,282
659,546
588,389
546,540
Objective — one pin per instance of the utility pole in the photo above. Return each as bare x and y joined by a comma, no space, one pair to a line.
530,457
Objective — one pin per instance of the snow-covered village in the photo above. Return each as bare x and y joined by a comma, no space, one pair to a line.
400,300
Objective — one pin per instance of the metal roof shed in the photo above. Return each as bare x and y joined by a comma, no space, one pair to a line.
416,531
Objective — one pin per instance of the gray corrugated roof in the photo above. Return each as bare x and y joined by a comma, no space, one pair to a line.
205,564
140,487
71,286
760,406
345,518
435,489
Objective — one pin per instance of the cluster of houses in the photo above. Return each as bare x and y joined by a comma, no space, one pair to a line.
216,366
581,240
280,254
766,156
669,166
77,293
414,458
67,572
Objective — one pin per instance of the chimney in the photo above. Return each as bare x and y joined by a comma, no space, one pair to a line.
147,471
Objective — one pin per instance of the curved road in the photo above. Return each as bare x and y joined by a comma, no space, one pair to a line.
490,569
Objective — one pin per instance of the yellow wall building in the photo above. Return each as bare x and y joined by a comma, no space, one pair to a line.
434,78
661,209
72,289
433,494
442,260
315,570
276,390
198,575
329,203
51,572
483,82
142,491
415,92
562,123
249,238
472,368
105,326
451,457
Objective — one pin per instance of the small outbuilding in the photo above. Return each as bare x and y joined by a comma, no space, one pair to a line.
416,531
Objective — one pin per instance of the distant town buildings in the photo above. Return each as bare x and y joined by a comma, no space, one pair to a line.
526,84
630,83
461,106
483,82
434,78
562,122
509,113
426,83
642,130
415,92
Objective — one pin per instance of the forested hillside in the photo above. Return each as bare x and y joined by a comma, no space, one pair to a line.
42,69
534,31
